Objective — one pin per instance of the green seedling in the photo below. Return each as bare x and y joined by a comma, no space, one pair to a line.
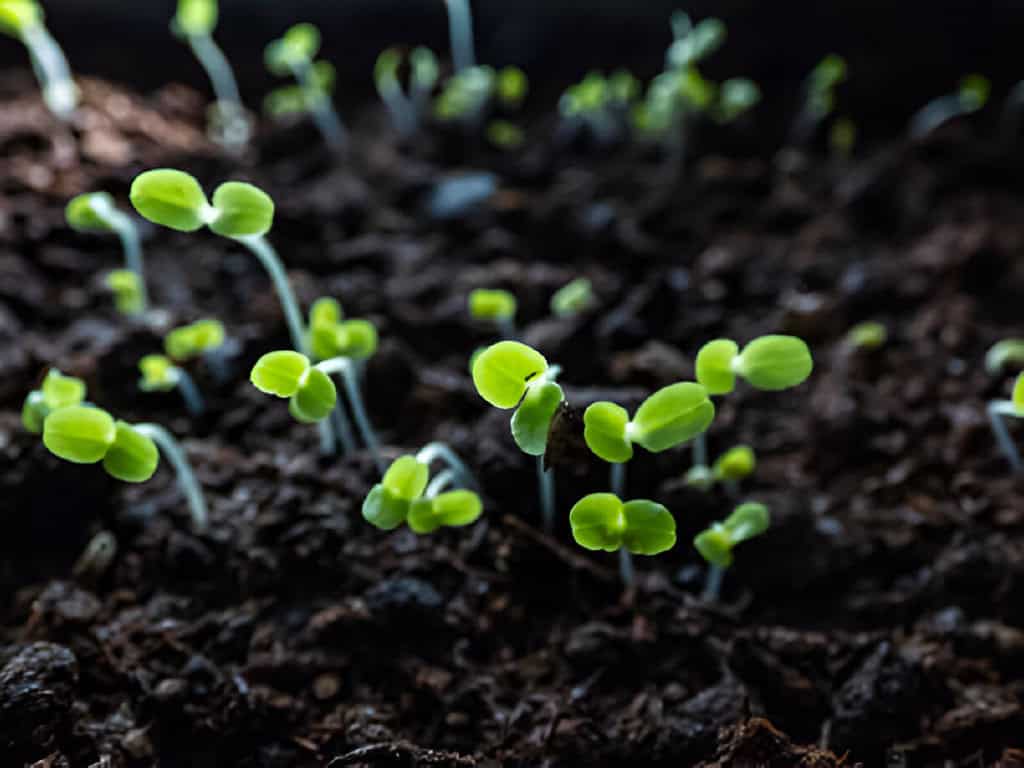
83,434
460,31
693,42
572,299
591,103
204,339
512,375
159,374
769,363
736,97
406,494
289,100
127,290
736,464
241,212
867,336
293,55
195,22
971,95
495,306
716,543
843,137
1008,352
96,213
406,110
505,135
602,522
819,96
23,20
998,410
465,96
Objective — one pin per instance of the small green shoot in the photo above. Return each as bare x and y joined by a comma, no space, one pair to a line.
286,374
127,290
769,363
997,411
574,298
406,110
602,522
495,306
819,96
96,213
195,340
57,391
293,54
405,494
160,374
735,464
195,22
1008,352
842,138
505,135
715,544
971,95
24,20
736,97
867,336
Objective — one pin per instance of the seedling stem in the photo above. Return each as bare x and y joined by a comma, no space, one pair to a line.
996,411
627,572
460,28
349,371
172,450
432,451
51,67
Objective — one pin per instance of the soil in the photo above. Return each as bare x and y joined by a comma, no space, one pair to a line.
879,622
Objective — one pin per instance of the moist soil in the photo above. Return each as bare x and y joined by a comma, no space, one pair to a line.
879,622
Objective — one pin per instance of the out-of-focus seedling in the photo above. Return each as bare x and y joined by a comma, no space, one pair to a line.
194,23
239,211
971,95
512,375
733,466
573,298
716,543
23,20
460,31
495,306
505,135
95,212
819,96
127,290
997,411
867,336
159,374
406,494
1008,352
385,75
84,434
842,138
203,338
293,54
736,97
601,521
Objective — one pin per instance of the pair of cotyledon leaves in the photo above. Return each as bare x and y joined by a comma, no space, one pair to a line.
717,542
772,363
330,335
601,521
398,498
311,393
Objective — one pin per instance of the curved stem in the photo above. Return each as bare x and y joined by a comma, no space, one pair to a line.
460,30
997,410
934,114
546,485
350,378
437,450
187,482
324,114
190,392
401,109
713,584
237,128
51,67
264,251
124,226
444,479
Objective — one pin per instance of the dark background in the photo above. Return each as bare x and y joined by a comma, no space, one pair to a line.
901,52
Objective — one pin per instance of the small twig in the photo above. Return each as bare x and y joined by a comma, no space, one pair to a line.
570,558
404,752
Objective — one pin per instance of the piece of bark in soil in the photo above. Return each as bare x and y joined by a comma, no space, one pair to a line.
757,743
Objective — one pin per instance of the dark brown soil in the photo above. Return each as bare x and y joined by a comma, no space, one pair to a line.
881,620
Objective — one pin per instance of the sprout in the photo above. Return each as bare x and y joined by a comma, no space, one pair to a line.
241,212
819,95
695,43
573,298
23,20
496,306
425,71
460,30
405,494
504,135
95,212
1014,407
716,543
159,374
868,335
295,100
195,22
84,434
199,338
385,75
293,54
512,375
465,96
670,417
736,97
735,464
843,137
770,363
1004,353
511,87
971,95
601,521
593,104
127,290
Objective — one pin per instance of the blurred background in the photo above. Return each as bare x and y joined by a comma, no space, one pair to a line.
901,53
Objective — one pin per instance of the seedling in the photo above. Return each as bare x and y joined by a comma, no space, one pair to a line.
159,374
693,42
460,30
716,543
971,95
241,212
843,137
23,20
406,494
293,54
496,306
601,521
84,434
819,96
736,97
867,336
512,375
406,110
1014,407
204,338
572,299
505,135
95,213
294,99
195,23
1005,353
736,464
127,290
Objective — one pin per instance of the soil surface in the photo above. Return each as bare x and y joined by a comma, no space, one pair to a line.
880,621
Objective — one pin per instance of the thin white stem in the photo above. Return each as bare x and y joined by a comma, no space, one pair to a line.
432,451
189,392
401,109
713,584
626,570
350,378
124,226
618,480
700,451
444,479
237,128
51,67
324,115
546,488
187,482
997,410
507,328
935,114
460,30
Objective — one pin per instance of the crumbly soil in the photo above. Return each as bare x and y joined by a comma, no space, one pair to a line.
879,622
